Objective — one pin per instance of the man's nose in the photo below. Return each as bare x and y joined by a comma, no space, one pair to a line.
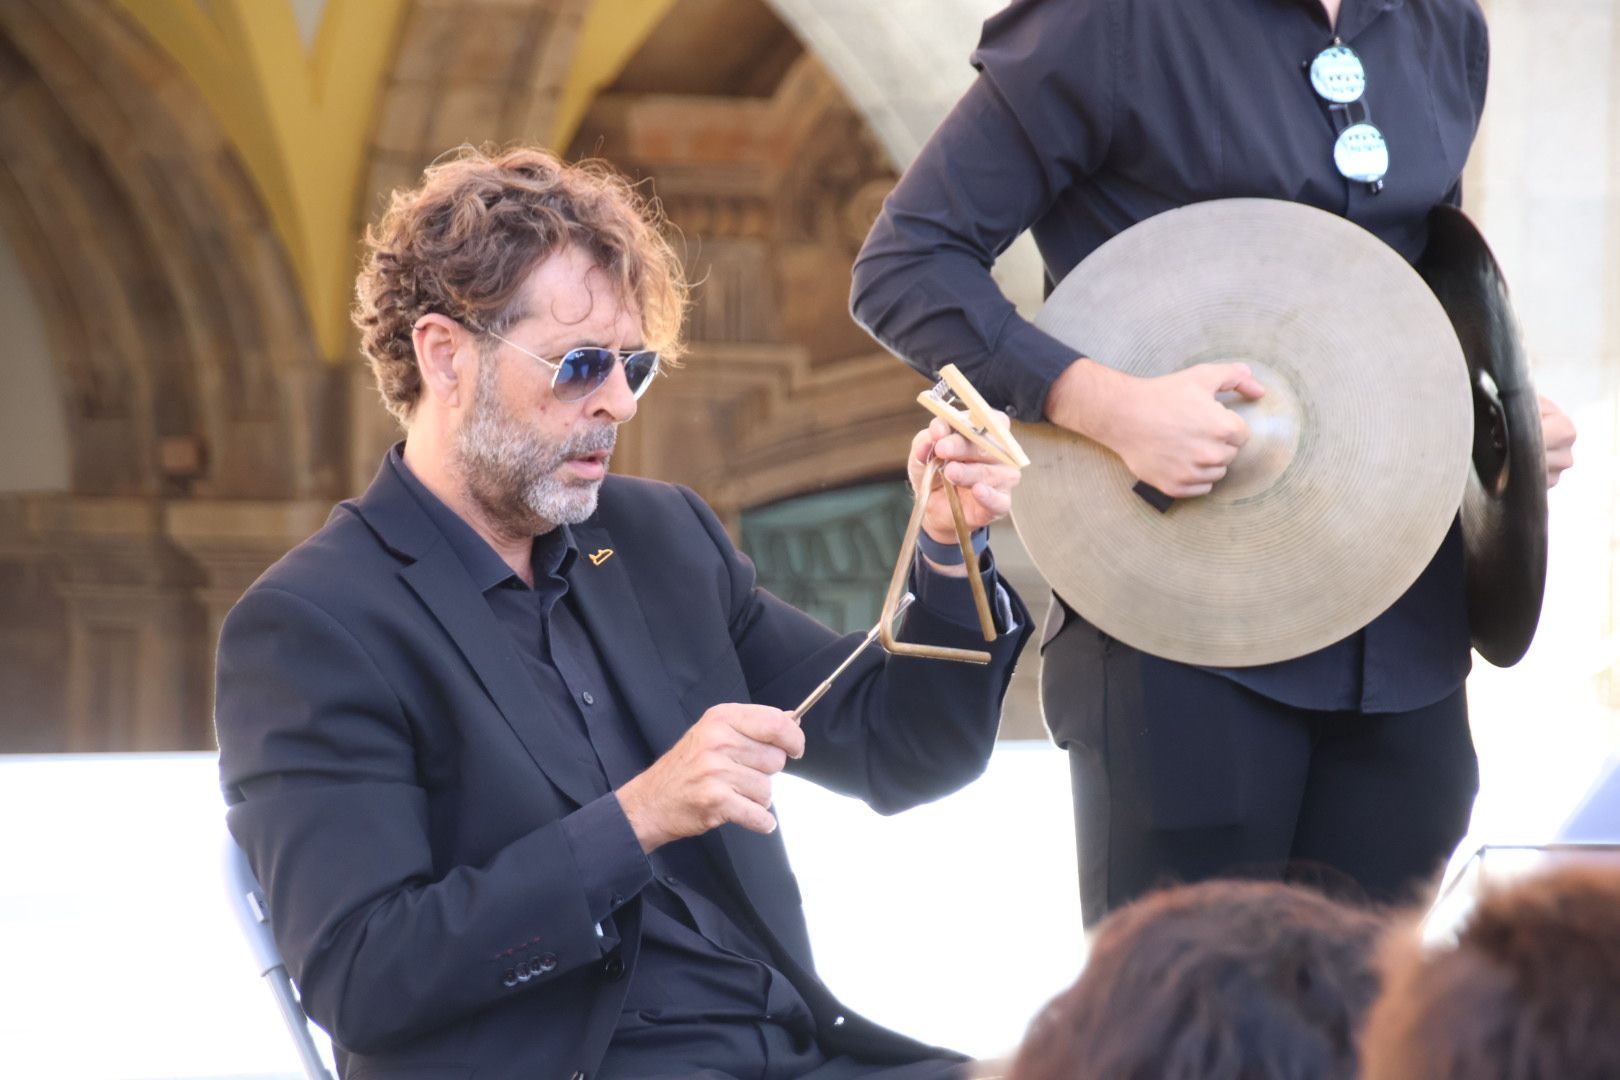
614,401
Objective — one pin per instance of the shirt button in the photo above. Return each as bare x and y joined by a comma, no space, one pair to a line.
587,698
671,880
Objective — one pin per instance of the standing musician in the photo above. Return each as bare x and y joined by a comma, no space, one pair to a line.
1087,117
499,739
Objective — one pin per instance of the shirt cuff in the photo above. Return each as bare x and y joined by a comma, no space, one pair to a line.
1026,361
612,866
951,598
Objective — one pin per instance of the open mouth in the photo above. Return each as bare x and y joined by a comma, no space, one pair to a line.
592,465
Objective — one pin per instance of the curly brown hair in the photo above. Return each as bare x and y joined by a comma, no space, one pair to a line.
1530,990
1225,980
464,240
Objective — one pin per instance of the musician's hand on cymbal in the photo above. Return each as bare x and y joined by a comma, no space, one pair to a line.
984,484
1168,429
1558,437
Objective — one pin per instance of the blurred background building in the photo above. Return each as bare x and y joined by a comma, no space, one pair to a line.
183,185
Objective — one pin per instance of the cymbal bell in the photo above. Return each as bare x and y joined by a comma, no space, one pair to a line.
1358,452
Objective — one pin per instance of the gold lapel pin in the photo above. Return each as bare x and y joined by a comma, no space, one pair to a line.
600,556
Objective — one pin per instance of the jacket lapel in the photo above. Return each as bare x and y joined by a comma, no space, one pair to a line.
436,575
442,583
757,864
613,617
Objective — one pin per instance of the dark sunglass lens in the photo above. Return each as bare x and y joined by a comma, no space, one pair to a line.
581,371
639,369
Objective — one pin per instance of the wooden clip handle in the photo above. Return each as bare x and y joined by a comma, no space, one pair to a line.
980,426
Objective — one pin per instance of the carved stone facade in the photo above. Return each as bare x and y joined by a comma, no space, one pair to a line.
771,196
187,370
207,432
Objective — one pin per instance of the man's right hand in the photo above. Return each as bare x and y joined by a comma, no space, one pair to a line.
719,772
1170,430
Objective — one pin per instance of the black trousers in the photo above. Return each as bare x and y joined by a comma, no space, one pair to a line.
1181,775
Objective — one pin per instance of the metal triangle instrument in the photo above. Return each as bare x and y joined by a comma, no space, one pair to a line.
954,400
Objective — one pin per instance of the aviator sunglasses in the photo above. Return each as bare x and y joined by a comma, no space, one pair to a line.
581,372
1359,152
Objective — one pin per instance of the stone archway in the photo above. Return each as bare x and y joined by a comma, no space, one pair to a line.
187,366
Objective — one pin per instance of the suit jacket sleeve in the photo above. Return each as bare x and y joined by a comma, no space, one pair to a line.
893,731
318,762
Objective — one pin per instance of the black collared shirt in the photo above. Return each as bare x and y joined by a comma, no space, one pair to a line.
1092,115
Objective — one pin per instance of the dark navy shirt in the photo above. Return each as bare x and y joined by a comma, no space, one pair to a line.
1091,115
704,992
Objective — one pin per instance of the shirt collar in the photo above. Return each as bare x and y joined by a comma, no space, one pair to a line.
554,551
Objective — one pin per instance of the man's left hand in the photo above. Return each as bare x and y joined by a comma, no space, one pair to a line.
984,484
1558,436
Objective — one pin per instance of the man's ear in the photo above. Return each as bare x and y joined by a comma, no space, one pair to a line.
442,350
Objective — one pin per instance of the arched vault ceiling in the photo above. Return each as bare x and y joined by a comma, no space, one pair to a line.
301,88
300,85
298,116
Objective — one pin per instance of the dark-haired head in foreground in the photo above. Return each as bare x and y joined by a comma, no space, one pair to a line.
1227,980
1530,991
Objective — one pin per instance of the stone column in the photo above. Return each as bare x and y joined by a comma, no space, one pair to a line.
231,544
133,670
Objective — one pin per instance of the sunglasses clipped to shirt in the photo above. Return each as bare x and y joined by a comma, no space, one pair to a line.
581,372
1359,152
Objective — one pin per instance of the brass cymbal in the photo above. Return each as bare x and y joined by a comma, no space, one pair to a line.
1358,452
1504,510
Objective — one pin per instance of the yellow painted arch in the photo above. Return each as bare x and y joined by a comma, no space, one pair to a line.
300,118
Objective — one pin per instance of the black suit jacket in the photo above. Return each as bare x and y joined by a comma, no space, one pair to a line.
407,829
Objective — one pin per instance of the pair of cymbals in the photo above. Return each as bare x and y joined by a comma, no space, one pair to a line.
1359,452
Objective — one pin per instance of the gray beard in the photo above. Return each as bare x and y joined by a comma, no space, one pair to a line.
513,477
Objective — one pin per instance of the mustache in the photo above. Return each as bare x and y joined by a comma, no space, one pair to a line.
594,441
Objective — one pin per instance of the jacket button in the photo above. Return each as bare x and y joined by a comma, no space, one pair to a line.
613,967
547,962
509,979
524,975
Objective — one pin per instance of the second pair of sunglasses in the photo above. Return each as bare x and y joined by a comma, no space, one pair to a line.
1359,152
579,373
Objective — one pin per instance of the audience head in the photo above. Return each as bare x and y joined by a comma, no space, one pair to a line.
1228,980
1530,990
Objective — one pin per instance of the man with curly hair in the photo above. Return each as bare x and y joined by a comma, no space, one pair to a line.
499,739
